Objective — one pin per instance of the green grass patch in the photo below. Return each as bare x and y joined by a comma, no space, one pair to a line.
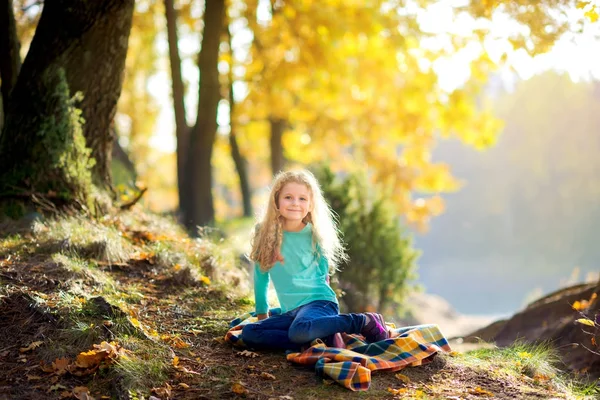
531,360
147,367
11,244
84,237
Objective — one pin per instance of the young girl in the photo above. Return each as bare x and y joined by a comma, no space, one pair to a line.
296,245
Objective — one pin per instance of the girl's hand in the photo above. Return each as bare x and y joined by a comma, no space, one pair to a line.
262,316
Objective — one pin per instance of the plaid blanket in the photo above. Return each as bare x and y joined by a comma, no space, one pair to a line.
351,365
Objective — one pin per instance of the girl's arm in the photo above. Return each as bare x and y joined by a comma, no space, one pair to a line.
261,283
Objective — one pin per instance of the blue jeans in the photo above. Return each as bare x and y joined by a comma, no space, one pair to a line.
288,331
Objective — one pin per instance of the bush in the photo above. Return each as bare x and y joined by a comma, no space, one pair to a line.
382,259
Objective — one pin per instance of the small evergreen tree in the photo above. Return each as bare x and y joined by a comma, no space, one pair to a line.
382,259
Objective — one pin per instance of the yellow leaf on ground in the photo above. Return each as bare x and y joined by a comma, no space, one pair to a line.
396,392
90,358
205,280
238,388
586,321
480,392
175,361
135,322
403,378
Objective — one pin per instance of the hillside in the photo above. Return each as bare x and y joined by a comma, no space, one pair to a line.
129,307
553,319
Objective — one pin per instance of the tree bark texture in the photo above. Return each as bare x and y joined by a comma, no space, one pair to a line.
199,171
277,158
88,40
10,60
241,164
182,130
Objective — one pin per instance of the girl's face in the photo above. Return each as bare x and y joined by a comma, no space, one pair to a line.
294,201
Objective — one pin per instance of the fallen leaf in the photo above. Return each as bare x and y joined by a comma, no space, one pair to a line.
175,361
60,365
238,388
480,392
403,378
58,386
247,353
183,385
585,321
81,393
90,358
163,391
32,346
266,375
541,377
33,377
396,392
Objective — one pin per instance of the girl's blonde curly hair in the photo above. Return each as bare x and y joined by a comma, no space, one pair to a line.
268,233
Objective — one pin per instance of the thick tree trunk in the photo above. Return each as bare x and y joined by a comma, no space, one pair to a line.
182,130
241,164
203,134
84,44
95,68
277,159
10,60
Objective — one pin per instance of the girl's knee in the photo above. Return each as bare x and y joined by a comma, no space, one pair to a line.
249,333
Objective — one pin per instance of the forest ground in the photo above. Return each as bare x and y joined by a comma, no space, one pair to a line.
131,307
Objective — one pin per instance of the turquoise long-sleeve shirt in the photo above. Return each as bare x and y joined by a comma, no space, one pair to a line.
301,279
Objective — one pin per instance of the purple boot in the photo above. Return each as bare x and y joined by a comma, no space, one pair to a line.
375,330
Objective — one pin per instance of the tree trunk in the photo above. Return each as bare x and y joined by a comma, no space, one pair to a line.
277,159
84,52
241,164
202,137
10,59
118,153
182,130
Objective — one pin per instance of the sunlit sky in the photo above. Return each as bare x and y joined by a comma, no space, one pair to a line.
576,55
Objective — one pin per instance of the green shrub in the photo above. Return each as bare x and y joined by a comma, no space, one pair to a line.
382,259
